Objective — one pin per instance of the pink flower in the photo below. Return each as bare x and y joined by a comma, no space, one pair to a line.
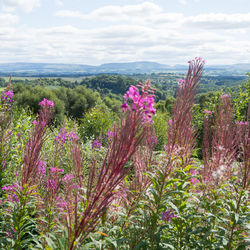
35,122
110,134
7,96
96,144
52,170
59,170
61,136
124,106
52,185
73,135
181,82
168,215
153,111
132,93
42,168
46,103
208,112
141,102
194,180
194,172
225,96
68,177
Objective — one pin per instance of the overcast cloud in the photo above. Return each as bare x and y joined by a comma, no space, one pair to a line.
121,32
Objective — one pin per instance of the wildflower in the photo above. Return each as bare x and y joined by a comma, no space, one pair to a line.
241,123
194,180
42,168
59,170
11,190
132,93
96,144
68,177
110,134
168,215
153,140
181,82
208,112
124,106
46,103
73,135
35,122
52,170
225,96
52,185
7,96
61,136
141,102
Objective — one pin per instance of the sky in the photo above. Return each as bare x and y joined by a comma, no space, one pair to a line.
107,31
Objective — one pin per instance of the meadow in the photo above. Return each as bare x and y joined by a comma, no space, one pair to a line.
116,190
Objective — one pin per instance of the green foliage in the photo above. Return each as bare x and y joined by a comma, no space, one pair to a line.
160,126
116,84
97,122
20,223
3,83
241,100
74,102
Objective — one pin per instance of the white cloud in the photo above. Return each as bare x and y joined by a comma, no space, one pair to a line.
129,33
26,5
7,19
118,43
115,12
220,21
69,13
59,3
183,2
148,13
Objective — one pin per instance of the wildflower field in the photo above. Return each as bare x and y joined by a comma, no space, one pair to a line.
117,191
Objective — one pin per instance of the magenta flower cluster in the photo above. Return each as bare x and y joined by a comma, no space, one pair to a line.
194,180
11,233
181,82
168,215
42,168
7,96
208,112
53,182
10,188
225,96
153,140
140,102
54,170
110,134
12,192
96,144
46,103
241,123
63,135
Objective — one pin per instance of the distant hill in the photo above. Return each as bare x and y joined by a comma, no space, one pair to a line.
53,69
